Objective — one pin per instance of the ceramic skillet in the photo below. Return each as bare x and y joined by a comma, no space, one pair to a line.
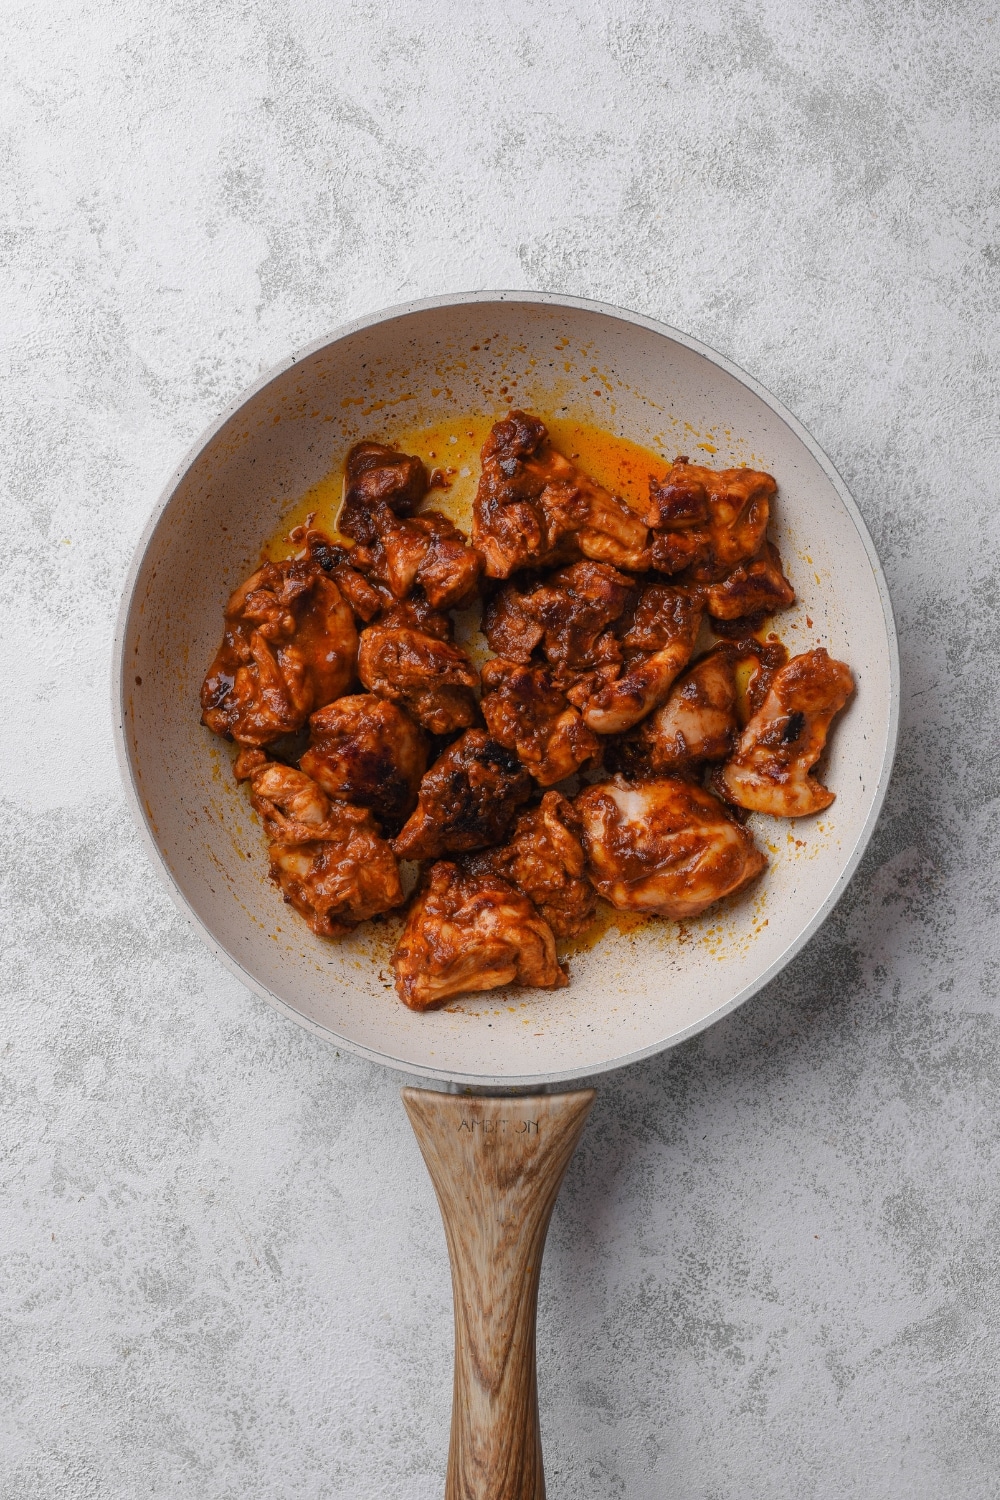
631,994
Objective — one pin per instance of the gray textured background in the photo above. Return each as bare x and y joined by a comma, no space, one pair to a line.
773,1272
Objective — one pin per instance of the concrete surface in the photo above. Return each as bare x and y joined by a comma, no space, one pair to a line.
773,1272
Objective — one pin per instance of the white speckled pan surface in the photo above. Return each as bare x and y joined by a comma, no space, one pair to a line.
632,993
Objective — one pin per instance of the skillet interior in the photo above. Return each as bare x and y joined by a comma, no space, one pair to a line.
633,993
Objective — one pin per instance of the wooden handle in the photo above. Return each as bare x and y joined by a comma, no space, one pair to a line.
497,1166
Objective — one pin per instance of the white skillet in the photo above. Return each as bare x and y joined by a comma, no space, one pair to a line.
632,994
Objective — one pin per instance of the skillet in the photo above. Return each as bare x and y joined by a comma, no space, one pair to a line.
494,1130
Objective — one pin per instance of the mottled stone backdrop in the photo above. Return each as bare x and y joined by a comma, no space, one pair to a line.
773,1272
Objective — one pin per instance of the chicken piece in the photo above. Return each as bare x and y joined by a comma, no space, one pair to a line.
526,712
289,647
365,599
770,771
757,587
663,846
416,614
471,932
545,861
509,625
432,678
570,614
534,508
707,520
293,796
657,637
379,483
424,551
697,723
654,615
575,607
672,552
369,752
467,799
326,856
679,515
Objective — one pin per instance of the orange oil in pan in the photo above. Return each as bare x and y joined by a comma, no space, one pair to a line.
453,446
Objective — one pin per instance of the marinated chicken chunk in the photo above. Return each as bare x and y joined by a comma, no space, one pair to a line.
369,752
467,799
757,587
431,678
663,846
545,861
679,515
365,600
471,932
657,638
379,483
567,616
525,711
285,793
416,613
707,521
509,624
534,508
697,723
770,771
326,856
425,551
289,647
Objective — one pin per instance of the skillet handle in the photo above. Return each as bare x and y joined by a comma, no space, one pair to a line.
497,1166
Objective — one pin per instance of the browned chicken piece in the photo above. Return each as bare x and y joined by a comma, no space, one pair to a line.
758,587
378,484
568,616
467,799
671,552
440,558
679,515
655,615
416,614
575,607
369,752
424,551
545,860
535,508
657,639
431,678
365,599
509,625
468,933
698,722
290,645
527,712
707,520
663,846
326,856
770,771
